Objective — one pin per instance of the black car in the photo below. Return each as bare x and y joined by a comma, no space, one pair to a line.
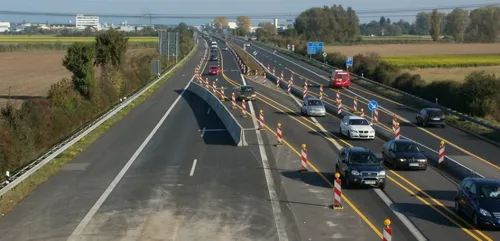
430,116
214,57
404,154
479,199
358,166
246,92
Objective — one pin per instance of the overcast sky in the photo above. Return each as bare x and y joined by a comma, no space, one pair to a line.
243,7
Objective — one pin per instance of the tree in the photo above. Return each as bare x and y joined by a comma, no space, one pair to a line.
265,30
484,24
456,23
435,25
79,61
221,23
111,47
422,23
382,20
243,24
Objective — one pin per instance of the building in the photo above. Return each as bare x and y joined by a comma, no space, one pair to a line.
4,27
232,25
276,23
87,21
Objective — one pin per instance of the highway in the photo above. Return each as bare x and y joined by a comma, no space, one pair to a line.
168,171
470,150
426,198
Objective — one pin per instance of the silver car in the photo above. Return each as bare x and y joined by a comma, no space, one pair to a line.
312,106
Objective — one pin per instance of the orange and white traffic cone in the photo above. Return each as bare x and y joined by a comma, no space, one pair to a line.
207,84
362,113
397,132
337,192
261,120
233,100
441,153
375,116
304,92
279,135
355,103
244,108
321,92
222,95
394,122
387,232
303,157
214,87
339,107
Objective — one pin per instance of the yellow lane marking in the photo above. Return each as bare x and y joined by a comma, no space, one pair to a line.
436,209
412,124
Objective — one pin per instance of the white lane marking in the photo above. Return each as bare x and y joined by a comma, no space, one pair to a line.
86,220
416,233
203,131
211,130
273,195
193,167
208,111
408,224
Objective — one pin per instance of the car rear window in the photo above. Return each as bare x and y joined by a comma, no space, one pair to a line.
314,103
435,113
214,67
359,122
247,89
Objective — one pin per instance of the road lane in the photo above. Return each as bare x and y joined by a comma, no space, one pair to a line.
469,153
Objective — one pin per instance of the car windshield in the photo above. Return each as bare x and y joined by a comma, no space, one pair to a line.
314,103
359,122
364,159
435,113
406,147
489,192
247,89
341,76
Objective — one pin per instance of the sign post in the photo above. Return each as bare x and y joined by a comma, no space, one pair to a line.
372,105
349,62
324,58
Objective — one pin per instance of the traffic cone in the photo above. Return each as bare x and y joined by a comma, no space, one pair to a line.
303,161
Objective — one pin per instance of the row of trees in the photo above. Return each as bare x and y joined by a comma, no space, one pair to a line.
478,25
243,24
101,74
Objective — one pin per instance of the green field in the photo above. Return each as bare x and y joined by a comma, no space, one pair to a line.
398,38
53,39
444,61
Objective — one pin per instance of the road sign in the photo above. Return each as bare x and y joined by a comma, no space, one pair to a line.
372,105
314,47
324,55
255,53
289,47
349,62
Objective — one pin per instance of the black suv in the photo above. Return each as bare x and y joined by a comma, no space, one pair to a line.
479,199
430,116
358,166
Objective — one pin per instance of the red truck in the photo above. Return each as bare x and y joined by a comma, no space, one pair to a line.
340,78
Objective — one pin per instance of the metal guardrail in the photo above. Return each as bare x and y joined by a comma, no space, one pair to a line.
31,168
429,103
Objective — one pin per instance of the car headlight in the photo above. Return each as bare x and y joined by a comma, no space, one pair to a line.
355,131
423,160
484,212
254,95
382,173
372,131
402,159
355,173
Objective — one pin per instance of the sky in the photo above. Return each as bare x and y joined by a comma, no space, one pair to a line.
212,7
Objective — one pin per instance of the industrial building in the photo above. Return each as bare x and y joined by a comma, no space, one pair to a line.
4,26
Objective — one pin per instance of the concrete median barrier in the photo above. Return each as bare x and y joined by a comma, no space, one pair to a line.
233,127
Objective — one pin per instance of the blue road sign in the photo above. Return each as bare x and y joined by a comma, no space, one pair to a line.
349,61
314,47
372,105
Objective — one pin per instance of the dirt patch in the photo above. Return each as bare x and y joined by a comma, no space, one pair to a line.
30,74
417,49
456,74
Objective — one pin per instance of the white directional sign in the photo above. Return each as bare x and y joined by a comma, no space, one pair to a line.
254,52
324,55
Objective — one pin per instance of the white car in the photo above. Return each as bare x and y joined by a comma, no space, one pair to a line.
356,127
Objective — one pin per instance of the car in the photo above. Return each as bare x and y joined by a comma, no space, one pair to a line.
246,92
431,116
403,154
225,48
340,78
358,166
214,57
479,199
214,49
214,70
312,106
356,127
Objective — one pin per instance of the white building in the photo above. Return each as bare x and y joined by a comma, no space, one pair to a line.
4,26
87,21
232,25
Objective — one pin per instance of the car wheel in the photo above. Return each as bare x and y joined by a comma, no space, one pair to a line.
381,186
349,134
395,166
348,183
475,221
340,130
457,207
424,124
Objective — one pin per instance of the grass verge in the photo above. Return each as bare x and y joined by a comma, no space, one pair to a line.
248,60
10,199
54,46
444,61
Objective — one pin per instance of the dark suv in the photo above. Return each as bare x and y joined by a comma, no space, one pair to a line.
358,166
430,116
479,199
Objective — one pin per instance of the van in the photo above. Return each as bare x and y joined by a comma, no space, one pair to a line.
340,78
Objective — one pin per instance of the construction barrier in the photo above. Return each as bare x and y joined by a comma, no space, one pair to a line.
233,100
441,153
304,93
338,96
222,95
355,103
289,86
321,92
279,135
265,78
375,116
394,122
339,107
337,192
387,232
362,113
261,120
244,108
277,83
397,132
303,161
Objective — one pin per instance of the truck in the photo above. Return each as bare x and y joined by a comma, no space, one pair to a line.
340,78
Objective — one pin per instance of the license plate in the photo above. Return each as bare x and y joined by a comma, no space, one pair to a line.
436,119
413,164
370,182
